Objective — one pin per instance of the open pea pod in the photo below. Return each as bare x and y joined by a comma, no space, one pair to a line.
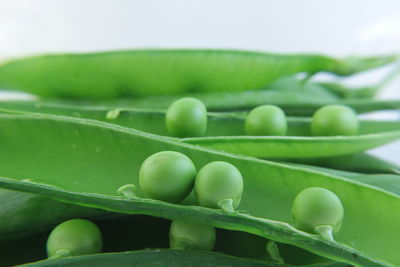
154,72
225,131
85,162
136,232
162,258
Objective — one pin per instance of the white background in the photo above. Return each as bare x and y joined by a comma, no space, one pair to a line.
340,27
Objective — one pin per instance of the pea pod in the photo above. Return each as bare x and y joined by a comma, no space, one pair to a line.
155,72
361,162
164,258
96,151
225,131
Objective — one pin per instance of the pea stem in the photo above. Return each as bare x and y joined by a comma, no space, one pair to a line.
128,191
325,231
61,253
273,251
226,205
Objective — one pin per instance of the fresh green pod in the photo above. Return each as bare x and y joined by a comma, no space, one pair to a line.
186,117
219,184
334,120
188,235
79,144
167,176
266,120
319,211
74,237
225,132
162,72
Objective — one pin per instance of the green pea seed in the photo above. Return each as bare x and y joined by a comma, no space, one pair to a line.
319,211
266,120
219,184
167,176
187,235
74,237
186,117
334,120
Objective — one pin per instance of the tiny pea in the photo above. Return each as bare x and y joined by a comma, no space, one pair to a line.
74,237
319,211
167,176
219,184
187,235
186,117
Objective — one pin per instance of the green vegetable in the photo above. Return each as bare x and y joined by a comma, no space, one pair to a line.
186,117
188,235
155,72
167,176
266,120
318,210
219,184
74,237
91,149
222,127
334,120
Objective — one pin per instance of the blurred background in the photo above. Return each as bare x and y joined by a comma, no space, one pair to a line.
340,28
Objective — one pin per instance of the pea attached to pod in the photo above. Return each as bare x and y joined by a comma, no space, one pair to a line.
74,237
167,176
334,120
188,235
219,184
319,211
186,117
266,120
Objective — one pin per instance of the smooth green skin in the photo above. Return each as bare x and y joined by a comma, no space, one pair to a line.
266,120
188,235
316,206
164,257
167,176
77,236
334,120
94,156
216,181
222,126
160,72
186,117
361,162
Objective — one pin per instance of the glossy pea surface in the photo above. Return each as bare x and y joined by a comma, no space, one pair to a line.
334,120
266,120
77,236
188,235
186,117
217,181
167,176
316,206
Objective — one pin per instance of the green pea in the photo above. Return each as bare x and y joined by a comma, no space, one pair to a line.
334,120
219,184
319,211
74,237
187,235
186,117
167,176
266,120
